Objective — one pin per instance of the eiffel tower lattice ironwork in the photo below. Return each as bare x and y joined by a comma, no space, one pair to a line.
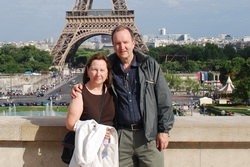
83,22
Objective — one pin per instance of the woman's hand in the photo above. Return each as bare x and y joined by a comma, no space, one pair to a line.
107,136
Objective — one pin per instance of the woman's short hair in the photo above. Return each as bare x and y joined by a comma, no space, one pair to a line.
98,56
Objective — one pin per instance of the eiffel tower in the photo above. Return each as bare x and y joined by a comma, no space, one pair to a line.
83,22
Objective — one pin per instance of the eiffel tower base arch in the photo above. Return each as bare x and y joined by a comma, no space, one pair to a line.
82,25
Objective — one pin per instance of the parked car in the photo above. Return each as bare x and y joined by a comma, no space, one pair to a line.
53,97
22,104
45,103
63,104
3,105
37,103
40,95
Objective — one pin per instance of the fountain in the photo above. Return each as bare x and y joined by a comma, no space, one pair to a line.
11,110
49,109
51,106
47,112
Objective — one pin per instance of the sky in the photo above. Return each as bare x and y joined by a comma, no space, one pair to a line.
34,20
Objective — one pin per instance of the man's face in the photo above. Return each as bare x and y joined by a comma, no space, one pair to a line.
123,45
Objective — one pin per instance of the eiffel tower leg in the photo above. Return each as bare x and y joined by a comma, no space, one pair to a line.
64,44
61,48
139,42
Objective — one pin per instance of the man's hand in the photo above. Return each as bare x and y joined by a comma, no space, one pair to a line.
76,88
162,141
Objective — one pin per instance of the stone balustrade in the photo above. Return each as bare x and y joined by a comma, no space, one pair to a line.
202,141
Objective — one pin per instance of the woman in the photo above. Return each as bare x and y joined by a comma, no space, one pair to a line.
97,76
94,103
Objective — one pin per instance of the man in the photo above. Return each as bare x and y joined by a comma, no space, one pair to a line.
144,113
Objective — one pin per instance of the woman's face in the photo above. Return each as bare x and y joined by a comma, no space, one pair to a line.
98,72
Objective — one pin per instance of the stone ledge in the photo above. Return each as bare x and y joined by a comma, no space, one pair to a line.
194,142
186,129
32,128
211,129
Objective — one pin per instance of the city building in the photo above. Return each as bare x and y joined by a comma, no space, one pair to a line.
161,38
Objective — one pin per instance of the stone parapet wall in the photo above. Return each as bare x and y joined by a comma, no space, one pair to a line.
31,141
18,81
195,142
22,79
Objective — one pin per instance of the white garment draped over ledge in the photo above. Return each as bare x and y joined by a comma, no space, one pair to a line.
89,145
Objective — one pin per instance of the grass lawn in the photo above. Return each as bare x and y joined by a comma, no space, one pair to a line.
36,108
236,109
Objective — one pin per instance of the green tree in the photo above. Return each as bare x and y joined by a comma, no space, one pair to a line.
191,66
174,81
237,64
196,88
244,53
242,81
19,60
212,51
230,52
156,54
82,55
242,90
189,84
196,53
53,69
8,50
232,68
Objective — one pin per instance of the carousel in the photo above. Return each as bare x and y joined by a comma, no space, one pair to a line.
225,92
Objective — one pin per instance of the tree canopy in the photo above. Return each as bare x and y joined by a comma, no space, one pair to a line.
27,58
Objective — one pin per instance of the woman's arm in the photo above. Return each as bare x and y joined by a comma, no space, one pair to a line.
74,112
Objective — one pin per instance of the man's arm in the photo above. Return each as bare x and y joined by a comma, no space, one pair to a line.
164,100
165,113
76,88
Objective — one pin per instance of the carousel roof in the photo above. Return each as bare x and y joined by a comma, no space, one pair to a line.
228,88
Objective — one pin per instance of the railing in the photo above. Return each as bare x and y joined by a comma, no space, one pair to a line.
100,13
195,141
